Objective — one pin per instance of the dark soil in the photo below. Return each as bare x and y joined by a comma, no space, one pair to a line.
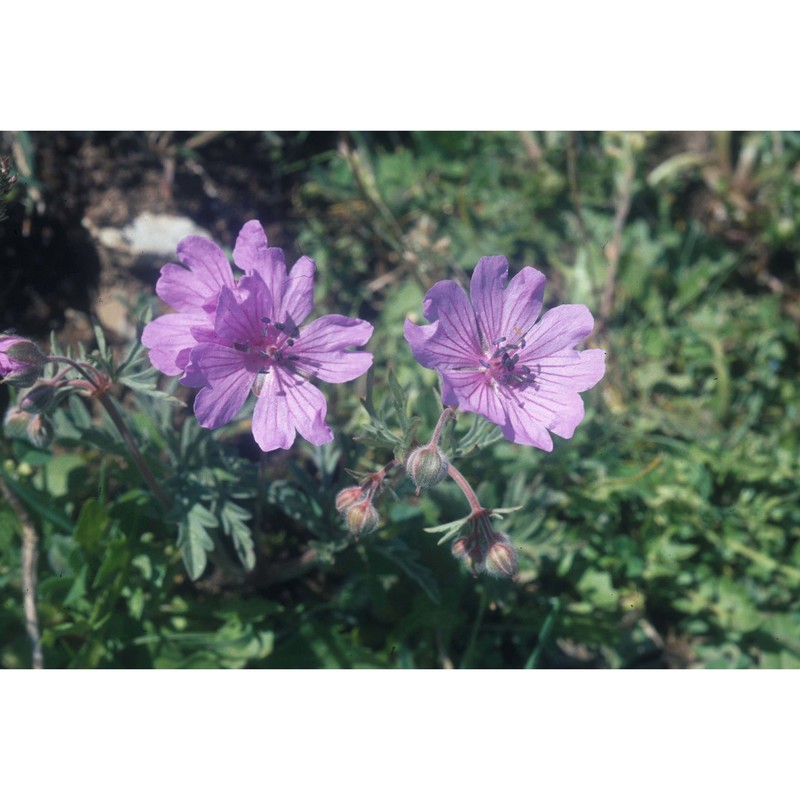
54,266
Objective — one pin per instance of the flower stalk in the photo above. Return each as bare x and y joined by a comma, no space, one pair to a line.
96,385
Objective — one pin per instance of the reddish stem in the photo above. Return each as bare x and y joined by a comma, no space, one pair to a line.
463,484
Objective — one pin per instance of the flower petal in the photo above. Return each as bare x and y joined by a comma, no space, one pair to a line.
565,409
170,339
527,421
571,370
321,348
297,299
455,341
239,313
417,337
522,302
472,391
292,294
198,286
252,255
288,403
228,381
251,248
559,329
486,293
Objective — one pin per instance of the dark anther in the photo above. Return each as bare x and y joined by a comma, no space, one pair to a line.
278,355
265,319
483,363
280,326
290,342
294,358
501,339
242,348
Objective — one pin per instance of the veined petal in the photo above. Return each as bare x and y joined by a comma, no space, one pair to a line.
297,298
417,337
441,296
559,329
238,317
292,294
486,293
526,420
570,370
253,255
198,286
228,381
250,250
473,391
169,339
321,348
522,302
272,426
287,404
455,341
565,408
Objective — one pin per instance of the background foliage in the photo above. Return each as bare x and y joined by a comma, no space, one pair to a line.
665,533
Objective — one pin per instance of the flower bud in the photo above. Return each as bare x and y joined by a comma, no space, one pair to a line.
348,497
468,550
21,361
16,422
40,431
426,466
37,399
362,518
19,424
501,559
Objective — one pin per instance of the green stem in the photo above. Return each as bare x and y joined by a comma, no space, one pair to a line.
544,634
473,636
116,418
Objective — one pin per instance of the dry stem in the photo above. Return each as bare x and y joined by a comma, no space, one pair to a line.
30,556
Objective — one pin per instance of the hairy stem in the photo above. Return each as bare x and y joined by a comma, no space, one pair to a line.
446,415
463,484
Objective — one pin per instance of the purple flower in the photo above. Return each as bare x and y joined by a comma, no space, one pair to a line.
497,361
233,337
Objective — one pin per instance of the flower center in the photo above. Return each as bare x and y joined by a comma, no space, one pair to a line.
271,348
502,365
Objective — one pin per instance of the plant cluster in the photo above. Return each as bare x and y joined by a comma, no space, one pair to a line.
664,532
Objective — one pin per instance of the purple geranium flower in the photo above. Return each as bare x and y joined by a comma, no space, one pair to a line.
232,337
497,361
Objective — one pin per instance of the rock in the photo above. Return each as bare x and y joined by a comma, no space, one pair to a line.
149,234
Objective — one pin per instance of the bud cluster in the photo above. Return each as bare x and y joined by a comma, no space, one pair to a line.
486,550
359,514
